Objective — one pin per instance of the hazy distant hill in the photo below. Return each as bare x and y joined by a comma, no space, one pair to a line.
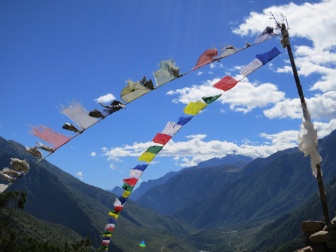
289,224
225,203
145,186
117,190
282,234
219,196
57,197
268,188
198,185
188,187
235,160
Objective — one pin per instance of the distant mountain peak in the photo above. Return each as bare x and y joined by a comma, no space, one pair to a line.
235,159
117,190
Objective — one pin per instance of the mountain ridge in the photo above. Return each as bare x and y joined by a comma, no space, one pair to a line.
263,189
236,160
211,200
57,197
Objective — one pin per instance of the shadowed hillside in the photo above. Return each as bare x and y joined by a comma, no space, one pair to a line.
57,197
268,188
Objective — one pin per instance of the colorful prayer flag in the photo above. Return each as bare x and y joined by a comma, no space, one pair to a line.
134,173
49,135
127,187
147,157
133,90
205,58
265,57
261,59
171,128
112,220
77,113
122,199
251,67
114,214
210,99
193,108
142,244
161,138
154,149
183,120
109,227
126,194
168,72
226,83
131,181
266,34
141,167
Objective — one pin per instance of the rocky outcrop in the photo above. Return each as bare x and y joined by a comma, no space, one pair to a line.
319,237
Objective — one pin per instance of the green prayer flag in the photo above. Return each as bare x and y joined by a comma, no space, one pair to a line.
155,149
127,187
210,99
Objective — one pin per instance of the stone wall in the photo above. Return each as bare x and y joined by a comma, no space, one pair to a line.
319,237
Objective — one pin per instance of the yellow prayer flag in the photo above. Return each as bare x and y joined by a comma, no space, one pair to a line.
194,108
147,157
126,194
114,215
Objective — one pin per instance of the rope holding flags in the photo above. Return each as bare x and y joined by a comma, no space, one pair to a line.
84,119
80,116
163,137
168,72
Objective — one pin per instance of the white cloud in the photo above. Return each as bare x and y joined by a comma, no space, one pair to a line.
320,107
313,22
134,150
195,92
318,59
196,149
216,65
315,61
324,129
105,98
112,166
79,175
93,154
327,81
244,97
284,69
323,106
284,138
288,108
303,21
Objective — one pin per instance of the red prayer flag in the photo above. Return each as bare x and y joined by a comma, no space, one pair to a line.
131,181
50,136
110,229
118,208
206,58
161,138
226,83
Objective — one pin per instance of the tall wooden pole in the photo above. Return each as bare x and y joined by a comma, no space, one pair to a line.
286,44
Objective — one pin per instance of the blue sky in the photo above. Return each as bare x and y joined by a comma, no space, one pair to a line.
55,52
